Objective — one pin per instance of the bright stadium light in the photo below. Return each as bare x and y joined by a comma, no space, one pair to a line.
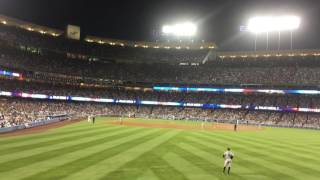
273,24
183,29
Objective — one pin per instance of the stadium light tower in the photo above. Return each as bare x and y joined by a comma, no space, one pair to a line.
273,24
187,29
267,24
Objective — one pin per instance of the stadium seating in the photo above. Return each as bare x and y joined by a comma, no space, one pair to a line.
16,111
57,66
33,52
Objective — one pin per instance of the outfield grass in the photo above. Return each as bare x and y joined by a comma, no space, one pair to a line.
83,151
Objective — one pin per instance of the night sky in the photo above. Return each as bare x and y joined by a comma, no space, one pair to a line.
218,20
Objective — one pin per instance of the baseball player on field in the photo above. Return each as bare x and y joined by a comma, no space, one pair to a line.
228,156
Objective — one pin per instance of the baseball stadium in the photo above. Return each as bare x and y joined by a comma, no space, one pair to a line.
192,101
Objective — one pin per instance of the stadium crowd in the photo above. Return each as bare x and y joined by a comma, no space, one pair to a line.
37,55
59,62
128,93
15,110
23,111
61,68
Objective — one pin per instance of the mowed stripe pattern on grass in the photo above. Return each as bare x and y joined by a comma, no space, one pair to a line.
103,151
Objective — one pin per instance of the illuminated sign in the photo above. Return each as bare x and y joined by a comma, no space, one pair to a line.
238,90
157,103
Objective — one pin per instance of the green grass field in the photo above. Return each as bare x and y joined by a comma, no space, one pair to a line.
83,151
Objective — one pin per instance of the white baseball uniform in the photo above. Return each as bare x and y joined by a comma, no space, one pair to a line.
227,158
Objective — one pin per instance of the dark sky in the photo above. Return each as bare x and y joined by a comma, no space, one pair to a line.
218,20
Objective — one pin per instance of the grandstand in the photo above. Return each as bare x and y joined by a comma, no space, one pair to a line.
117,69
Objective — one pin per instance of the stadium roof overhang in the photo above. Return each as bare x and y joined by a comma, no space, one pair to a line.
267,54
155,45
29,26
5,20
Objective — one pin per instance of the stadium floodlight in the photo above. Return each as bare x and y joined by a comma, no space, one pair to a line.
273,24
183,29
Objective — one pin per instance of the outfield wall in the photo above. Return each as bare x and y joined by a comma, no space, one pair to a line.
209,120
